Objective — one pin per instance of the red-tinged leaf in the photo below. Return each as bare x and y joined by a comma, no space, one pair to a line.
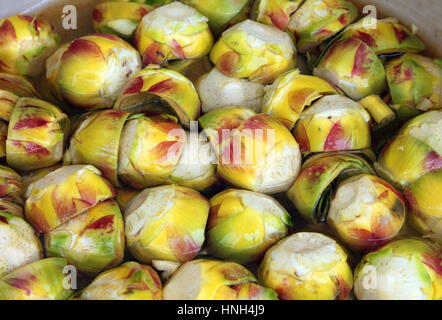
104,223
32,148
343,19
343,289
411,199
365,37
302,139
227,62
153,54
30,122
38,219
81,47
177,49
156,279
7,33
63,206
142,11
279,18
138,285
323,32
284,290
383,195
361,63
184,247
135,86
336,139
26,18
432,161
24,283
168,150
300,98
4,220
401,35
434,262
393,189
97,15
87,192
258,122
163,86
5,189
213,216
234,272
3,66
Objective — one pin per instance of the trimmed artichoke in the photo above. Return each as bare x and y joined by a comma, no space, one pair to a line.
416,150
96,141
415,84
119,18
275,12
221,13
424,199
36,134
242,225
291,93
318,20
173,31
312,190
130,281
35,175
254,51
333,123
92,241
366,212
40,280
353,67
25,43
307,266
168,86
64,194
196,167
205,279
255,152
89,72
166,223
406,269
216,91
19,244
149,150
11,187
389,36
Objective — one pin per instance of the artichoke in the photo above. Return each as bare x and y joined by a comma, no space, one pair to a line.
89,72
96,141
221,13
36,134
366,212
353,67
173,31
388,37
423,197
32,176
40,280
255,152
318,20
63,194
407,269
415,84
168,86
291,92
25,43
92,241
307,266
216,91
17,85
19,244
205,279
312,190
416,150
149,150
333,123
119,18
130,281
166,223
242,225
254,51
275,12
11,187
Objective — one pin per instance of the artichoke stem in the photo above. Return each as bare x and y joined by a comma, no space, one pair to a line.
379,110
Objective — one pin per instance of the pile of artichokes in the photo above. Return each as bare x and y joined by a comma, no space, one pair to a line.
220,149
